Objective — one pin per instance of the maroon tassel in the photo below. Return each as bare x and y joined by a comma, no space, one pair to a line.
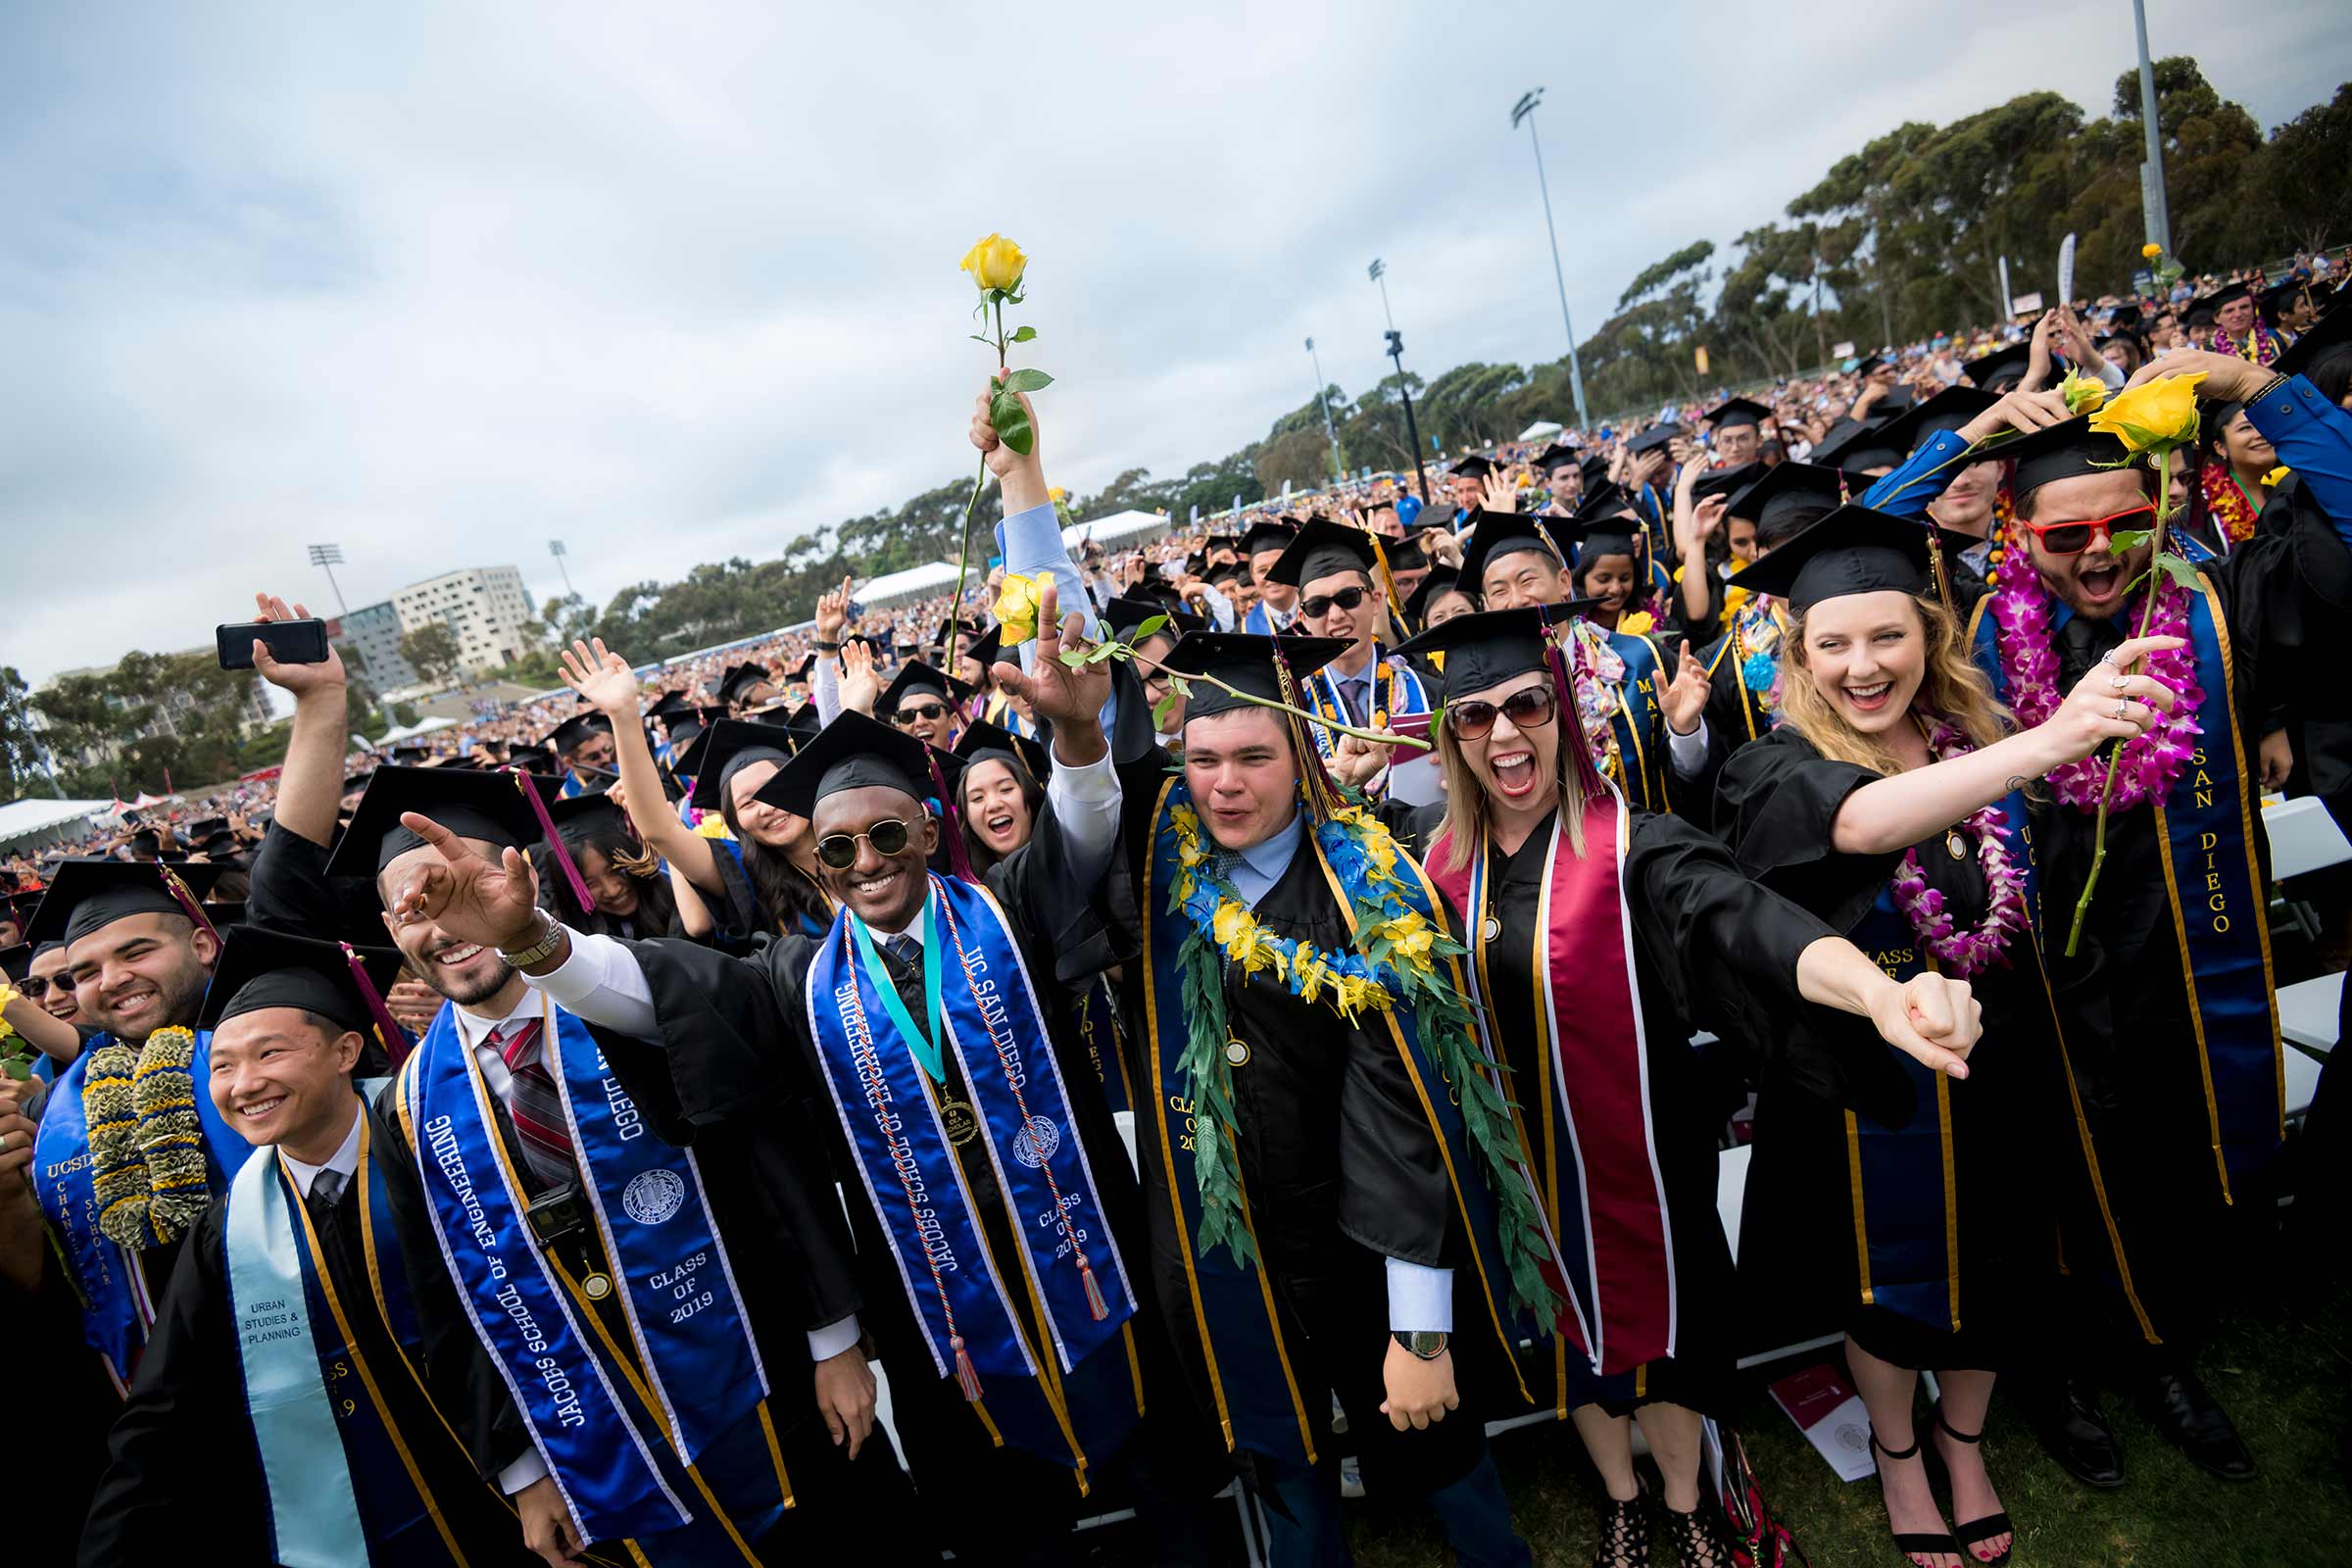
554,842
967,1375
187,900
388,1032
1572,720
958,861
1094,1292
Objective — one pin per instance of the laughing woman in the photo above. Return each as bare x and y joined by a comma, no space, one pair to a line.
1888,803
1587,923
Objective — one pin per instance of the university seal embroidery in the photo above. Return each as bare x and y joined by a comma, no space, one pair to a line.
1036,1142
653,1195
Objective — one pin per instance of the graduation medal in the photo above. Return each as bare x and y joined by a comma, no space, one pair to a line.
957,1116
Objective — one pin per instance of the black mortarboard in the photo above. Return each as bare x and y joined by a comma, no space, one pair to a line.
575,732
1595,467
207,827
740,679
89,895
2333,330
1267,533
2001,368
854,752
1246,663
16,962
2214,418
1784,489
1126,612
1440,580
726,747
1852,550
917,679
985,740
1607,499
262,968
1870,362
1490,646
1858,447
1473,466
2124,318
2062,451
685,726
472,803
803,671
586,815
1726,481
2199,313
532,759
1594,537
670,703
986,648
355,782
1734,411
1948,410
1226,572
1322,549
1556,456
1404,555
1503,533
1649,440
2227,294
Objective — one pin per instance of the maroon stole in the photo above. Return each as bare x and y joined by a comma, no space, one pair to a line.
1592,1148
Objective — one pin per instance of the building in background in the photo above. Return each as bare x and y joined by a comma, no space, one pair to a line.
374,632
484,607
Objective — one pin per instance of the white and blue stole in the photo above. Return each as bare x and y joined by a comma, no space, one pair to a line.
1260,621
118,1299
1397,688
341,1482
666,1442
1060,1402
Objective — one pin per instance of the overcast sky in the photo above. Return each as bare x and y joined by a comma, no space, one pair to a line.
440,283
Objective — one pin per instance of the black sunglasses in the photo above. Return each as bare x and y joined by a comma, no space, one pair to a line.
908,716
1529,708
840,850
1320,606
37,986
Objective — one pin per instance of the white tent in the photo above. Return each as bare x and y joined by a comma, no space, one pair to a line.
1119,530
1542,430
894,588
32,823
403,732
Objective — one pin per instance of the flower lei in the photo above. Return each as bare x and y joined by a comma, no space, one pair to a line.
1757,630
2261,345
1395,960
2225,502
1599,674
1964,954
146,1143
2148,764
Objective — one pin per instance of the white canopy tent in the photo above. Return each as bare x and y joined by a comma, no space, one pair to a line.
30,825
1119,530
1542,430
894,588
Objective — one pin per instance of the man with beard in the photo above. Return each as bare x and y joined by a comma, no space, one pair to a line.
585,743
2167,1004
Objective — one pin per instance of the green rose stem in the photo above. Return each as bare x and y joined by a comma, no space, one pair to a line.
1384,738
963,557
2147,614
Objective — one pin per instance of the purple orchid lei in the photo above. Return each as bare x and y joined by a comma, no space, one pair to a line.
1965,953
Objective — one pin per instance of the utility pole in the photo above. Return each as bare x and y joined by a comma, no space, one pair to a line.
555,548
328,557
1412,429
2155,211
1525,109
1339,468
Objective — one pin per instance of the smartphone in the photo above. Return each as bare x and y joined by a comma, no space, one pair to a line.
290,641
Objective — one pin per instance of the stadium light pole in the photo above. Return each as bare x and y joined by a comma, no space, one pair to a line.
1525,109
555,548
1379,271
327,557
1337,468
2155,211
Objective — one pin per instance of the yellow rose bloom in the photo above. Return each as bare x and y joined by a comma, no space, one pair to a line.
2151,250
2155,416
1017,609
996,262
1637,623
2083,393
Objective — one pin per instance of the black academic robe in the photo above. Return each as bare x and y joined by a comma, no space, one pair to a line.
2300,689
1780,799
184,1472
736,1071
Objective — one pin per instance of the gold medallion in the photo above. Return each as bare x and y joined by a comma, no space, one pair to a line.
957,1116
1953,846
1237,1051
597,1287
1490,928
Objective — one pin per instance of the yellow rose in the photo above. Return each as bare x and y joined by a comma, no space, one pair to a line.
2083,393
2271,479
1053,494
2151,250
2154,417
996,262
1637,623
1017,609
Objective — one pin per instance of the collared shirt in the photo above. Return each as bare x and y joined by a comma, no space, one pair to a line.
475,1031
344,1161
1253,871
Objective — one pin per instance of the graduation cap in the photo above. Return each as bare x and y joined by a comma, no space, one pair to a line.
1948,410
89,895
1246,663
1504,534
797,723
1786,490
2227,294
2200,313
1556,456
1473,466
919,679
1653,439
261,968
1126,612
207,827
1725,482
1440,580
411,754
531,758
674,701
1597,536
1269,534
2001,368
986,648
2124,318
984,741
1733,412
1322,549
16,962
1595,467
570,735
2062,451
685,726
805,669
1871,362
1860,447
1607,499
496,807
1488,647
2334,331
1852,550
1227,572
725,749
736,684
854,752
352,783
585,817
1405,555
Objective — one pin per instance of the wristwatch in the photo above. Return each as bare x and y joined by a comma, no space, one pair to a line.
551,937
1421,1342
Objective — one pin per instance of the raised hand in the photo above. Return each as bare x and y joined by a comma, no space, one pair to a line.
297,680
1933,1018
833,613
2228,378
1358,762
2019,410
412,1003
601,676
494,903
1002,458
1500,494
1686,697
2108,704
860,686
1072,697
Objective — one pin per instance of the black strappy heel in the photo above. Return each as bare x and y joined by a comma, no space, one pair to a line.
1916,1542
1624,1534
1976,1530
1697,1542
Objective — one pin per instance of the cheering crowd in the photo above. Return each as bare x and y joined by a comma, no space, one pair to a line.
1225,1006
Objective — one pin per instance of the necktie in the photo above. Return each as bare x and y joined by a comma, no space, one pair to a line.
1354,692
325,1188
904,949
532,1102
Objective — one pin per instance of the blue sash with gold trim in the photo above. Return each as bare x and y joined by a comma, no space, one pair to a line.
1639,722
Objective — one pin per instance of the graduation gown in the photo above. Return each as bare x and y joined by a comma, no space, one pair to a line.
2303,631
183,1472
1780,798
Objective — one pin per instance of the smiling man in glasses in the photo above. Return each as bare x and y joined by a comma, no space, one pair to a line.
1332,567
2167,1004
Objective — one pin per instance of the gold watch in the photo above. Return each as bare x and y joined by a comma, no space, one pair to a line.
551,937
1421,1344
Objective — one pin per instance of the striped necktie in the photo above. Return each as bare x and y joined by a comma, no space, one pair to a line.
532,1102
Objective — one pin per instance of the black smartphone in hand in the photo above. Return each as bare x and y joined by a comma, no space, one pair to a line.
290,641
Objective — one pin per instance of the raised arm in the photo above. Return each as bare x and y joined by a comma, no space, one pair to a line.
310,789
605,680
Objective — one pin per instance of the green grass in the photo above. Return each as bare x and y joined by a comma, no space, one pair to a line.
2284,1374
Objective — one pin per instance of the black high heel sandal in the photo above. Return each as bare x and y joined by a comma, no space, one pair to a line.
1974,1530
1914,1543
1697,1542
1624,1534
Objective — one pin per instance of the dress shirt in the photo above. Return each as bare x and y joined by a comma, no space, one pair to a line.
1688,753
1357,689
1030,541
344,1161
2313,438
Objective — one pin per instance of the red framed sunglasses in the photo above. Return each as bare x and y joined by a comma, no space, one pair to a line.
2072,538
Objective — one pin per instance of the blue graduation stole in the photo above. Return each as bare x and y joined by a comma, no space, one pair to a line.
2205,834
1097,1013
1260,621
1063,1400
571,788
1397,688
340,1479
1639,723
119,1306
666,1442
1258,1400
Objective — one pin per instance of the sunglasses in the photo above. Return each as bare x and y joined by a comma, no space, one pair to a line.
37,986
1529,708
1320,606
2073,538
922,710
838,850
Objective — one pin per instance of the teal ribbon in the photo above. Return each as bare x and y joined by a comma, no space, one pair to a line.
925,1045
